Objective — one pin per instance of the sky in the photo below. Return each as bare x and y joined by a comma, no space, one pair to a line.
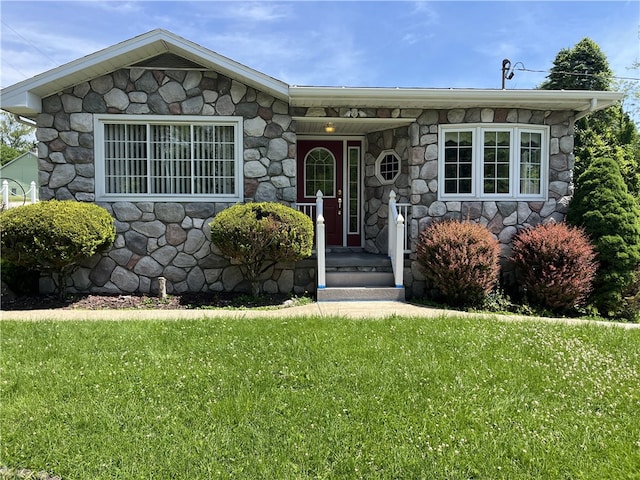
433,44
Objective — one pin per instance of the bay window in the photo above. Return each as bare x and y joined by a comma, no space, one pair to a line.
168,157
492,162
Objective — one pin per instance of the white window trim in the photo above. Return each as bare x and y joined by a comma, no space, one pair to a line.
478,130
101,119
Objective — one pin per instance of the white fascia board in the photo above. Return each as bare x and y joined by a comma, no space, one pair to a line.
124,54
23,103
450,98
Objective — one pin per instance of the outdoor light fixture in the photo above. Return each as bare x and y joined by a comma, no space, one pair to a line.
330,127
506,74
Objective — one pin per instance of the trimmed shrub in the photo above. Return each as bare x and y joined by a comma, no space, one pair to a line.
611,218
460,261
556,265
20,280
259,235
54,236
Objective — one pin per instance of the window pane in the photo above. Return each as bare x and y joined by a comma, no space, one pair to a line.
465,186
489,171
319,167
530,163
465,171
353,181
465,139
502,186
389,167
496,155
125,159
458,154
503,139
450,186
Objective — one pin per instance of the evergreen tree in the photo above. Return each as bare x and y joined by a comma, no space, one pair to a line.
611,217
583,67
606,133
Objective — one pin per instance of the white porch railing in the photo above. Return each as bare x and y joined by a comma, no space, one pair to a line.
405,210
321,241
316,210
30,195
397,240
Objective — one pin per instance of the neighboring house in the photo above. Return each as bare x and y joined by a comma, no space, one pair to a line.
165,134
19,173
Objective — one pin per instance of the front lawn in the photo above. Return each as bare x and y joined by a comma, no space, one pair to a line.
320,398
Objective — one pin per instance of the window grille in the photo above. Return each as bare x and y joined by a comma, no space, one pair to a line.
169,158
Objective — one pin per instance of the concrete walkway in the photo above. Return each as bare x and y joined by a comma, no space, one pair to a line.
355,310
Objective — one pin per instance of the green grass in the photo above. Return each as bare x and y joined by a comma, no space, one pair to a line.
320,398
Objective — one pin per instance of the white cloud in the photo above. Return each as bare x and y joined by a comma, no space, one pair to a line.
258,12
39,50
122,8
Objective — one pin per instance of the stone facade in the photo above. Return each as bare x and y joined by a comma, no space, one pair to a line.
417,185
171,240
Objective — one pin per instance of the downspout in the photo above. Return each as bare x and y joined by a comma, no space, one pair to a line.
24,121
592,107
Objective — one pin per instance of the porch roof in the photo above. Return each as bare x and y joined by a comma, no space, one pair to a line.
449,98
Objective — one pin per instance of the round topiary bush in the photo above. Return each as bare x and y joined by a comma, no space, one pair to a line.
556,265
460,261
54,236
259,235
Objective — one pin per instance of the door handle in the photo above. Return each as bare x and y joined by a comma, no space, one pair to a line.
339,202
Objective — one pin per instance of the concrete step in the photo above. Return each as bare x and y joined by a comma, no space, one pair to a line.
359,279
361,294
357,261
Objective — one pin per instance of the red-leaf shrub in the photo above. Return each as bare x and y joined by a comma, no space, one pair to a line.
460,261
556,265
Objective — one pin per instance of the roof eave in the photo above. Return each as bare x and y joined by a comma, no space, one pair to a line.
25,98
575,100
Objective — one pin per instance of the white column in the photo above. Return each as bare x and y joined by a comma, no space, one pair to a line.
320,240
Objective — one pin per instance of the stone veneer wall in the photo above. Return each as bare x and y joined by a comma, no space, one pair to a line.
167,239
417,146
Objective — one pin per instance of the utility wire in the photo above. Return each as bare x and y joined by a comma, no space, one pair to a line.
30,43
524,69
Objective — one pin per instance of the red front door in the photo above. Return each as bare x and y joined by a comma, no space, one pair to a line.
320,167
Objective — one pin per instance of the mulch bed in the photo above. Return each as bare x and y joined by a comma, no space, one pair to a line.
135,302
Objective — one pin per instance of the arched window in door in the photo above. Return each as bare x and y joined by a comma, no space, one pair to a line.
319,173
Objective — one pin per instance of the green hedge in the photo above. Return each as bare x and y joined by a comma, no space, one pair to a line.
53,236
259,235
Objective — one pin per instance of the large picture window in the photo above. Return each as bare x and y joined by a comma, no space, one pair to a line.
168,157
492,162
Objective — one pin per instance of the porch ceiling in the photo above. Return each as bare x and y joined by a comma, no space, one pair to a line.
348,126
